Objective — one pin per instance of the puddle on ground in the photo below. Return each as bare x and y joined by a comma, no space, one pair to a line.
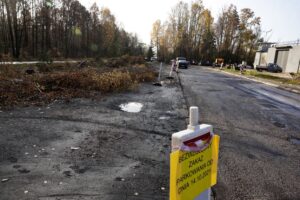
294,140
164,117
171,113
132,107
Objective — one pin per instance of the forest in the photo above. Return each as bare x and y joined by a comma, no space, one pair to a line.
60,29
44,29
191,31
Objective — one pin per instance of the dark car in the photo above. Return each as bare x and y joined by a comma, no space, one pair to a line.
205,63
274,68
249,67
194,62
238,67
271,67
181,62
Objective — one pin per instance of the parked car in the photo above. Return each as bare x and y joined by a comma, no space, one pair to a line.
205,63
271,67
153,59
194,62
249,67
274,68
181,62
237,67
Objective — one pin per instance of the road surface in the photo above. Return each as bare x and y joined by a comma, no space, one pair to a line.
259,127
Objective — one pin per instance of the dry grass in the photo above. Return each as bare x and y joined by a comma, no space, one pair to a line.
123,61
65,82
294,81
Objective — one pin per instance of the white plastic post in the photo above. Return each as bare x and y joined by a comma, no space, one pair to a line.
159,72
194,117
193,130
172,68
171,72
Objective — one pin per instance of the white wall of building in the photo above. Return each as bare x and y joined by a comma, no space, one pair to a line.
260,59
263,59
257,59
293,60
271,55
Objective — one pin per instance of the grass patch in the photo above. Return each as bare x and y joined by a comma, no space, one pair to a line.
231,70
58,81
263,75
294,81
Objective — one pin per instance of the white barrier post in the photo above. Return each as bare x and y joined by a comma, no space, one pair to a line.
159,72
194,130
158,83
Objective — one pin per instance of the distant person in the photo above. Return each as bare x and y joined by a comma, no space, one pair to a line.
173,68
221,65
242,68
235,66
173,65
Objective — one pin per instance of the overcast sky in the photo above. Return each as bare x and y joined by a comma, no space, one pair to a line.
137,16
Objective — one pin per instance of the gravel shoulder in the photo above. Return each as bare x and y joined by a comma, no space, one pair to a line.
295,88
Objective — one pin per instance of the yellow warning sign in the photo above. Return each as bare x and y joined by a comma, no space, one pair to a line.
193,172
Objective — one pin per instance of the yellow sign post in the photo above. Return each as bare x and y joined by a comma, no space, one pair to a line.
193,172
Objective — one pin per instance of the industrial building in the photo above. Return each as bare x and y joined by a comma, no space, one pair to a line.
285,55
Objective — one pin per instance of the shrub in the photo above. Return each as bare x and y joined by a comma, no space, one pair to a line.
16,87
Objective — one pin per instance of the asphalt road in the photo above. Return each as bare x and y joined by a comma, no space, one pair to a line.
259,127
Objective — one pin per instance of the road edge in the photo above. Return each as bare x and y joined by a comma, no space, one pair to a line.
259,81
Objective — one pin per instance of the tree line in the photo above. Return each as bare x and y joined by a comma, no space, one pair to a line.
62,29
191,31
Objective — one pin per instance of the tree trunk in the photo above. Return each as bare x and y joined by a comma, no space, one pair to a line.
11,28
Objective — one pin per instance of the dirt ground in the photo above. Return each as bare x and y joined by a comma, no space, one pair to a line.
91,149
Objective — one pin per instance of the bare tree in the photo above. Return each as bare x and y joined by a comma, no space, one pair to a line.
61,28
193,33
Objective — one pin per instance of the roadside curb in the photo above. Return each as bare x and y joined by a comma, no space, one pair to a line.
261,81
